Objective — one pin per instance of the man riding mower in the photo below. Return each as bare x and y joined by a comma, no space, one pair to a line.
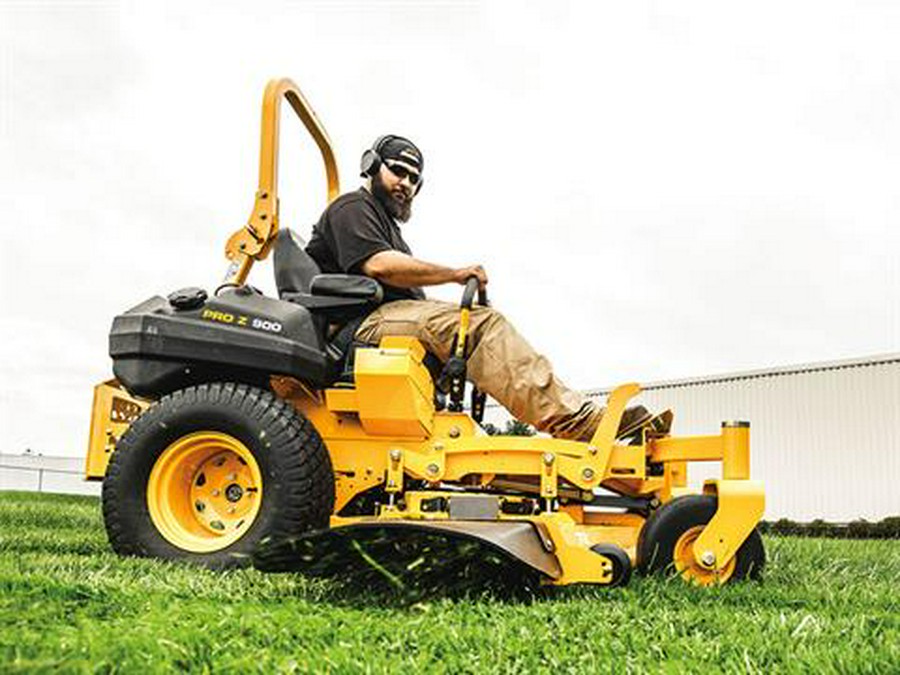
239,424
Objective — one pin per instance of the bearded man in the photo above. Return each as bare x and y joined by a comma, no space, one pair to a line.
359,234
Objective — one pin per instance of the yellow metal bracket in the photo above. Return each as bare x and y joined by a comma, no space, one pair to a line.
605,435
741,506
549,473
572,546
112,413
394,477
253,241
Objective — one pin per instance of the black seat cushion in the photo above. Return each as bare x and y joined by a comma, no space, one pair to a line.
347,286
294,268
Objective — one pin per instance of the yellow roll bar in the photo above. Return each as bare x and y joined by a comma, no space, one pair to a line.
254,240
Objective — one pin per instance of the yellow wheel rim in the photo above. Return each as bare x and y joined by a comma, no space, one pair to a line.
690,570
204,491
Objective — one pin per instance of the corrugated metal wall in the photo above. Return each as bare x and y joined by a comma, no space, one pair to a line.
825,438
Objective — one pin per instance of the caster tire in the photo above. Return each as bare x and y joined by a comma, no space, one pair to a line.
665,545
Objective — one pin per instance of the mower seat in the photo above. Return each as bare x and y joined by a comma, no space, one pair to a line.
337,302
336,298
340,302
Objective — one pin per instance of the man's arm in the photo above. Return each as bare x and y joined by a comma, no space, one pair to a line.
403,271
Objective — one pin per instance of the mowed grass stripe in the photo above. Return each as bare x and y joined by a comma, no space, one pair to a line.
67,603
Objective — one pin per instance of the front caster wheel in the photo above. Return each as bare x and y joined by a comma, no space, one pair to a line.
666,544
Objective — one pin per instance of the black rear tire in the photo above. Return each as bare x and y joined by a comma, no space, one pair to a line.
297,491
662,531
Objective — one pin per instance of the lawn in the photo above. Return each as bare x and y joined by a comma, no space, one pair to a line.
68,604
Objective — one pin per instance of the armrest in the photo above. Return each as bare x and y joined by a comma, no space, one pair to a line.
347,286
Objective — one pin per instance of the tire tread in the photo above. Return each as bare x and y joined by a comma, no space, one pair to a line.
299,485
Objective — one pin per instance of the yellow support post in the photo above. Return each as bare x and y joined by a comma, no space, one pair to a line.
735,450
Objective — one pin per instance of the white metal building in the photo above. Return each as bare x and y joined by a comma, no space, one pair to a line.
824,437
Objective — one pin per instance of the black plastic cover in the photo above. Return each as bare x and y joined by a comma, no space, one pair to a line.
156,348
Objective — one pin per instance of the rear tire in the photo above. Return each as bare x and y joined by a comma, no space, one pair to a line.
209,471
665,545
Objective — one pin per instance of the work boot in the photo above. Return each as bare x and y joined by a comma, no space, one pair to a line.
577,427
634,419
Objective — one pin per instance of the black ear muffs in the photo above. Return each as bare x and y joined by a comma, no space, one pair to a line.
371,159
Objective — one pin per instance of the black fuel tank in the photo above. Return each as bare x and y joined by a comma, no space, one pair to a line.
161,344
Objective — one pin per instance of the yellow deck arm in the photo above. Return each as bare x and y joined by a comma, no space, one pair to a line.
254,240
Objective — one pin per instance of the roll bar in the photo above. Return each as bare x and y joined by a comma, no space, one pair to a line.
254,240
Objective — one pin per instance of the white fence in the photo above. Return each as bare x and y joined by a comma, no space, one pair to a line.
37,478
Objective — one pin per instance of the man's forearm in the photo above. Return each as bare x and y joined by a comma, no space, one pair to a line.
403,271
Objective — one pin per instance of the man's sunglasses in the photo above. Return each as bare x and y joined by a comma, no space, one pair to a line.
402,172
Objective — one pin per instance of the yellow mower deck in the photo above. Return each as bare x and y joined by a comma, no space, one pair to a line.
385,432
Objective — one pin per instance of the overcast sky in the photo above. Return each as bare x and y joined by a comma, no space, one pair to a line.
657,190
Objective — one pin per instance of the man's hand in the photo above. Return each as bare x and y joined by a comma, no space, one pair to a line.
462,275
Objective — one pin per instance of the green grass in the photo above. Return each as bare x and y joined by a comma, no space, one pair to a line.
67,603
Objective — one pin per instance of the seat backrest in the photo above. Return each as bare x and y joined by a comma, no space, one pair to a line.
294,268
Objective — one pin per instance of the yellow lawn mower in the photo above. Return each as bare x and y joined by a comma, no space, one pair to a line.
246,429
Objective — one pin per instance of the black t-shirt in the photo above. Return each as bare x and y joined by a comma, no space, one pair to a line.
352,229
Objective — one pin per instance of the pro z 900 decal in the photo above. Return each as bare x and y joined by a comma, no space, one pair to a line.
265,324
241,320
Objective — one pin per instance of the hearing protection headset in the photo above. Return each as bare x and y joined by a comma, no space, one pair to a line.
371,159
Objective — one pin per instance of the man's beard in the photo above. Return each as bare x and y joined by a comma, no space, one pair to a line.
401,209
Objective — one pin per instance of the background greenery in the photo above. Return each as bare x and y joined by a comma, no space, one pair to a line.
68,604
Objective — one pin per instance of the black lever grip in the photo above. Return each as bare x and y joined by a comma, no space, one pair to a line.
469,293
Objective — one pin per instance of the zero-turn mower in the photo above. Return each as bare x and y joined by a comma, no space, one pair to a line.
241,427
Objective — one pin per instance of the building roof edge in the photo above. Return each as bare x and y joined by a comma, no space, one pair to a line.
777,371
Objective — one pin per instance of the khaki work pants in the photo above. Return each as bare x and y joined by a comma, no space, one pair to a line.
501,363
